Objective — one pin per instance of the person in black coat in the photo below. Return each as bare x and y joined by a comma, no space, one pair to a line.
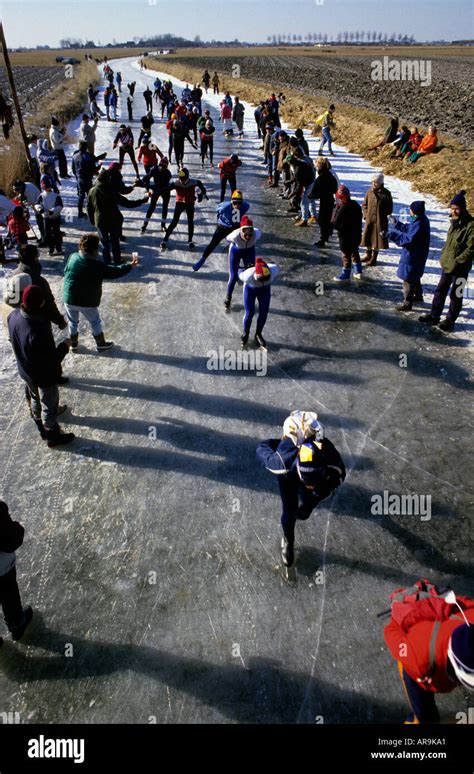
159,178
85,168
347,220
38,361
16,617
324,189
309,469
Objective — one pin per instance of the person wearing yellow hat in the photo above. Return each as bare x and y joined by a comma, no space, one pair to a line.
229,215
309,469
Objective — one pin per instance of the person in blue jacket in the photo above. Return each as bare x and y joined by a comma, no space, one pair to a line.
414,238
229,215
309,469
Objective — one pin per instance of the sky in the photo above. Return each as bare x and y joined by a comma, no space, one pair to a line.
28,23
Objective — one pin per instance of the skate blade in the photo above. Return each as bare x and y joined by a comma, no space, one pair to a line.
289,573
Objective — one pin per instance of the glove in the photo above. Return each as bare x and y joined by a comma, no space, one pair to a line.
62,325
288,158
392,220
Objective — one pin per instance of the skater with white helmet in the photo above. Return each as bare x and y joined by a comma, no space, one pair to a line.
309,469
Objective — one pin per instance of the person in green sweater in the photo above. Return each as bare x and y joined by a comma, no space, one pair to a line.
456,263
83,276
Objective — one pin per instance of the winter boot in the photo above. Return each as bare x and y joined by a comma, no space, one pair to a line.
56,437
74,341
447,326
287,552
357,270
301,222
62,380
372,259
40,426
428,319
244,339
199,263
405,307
313,219
102,344
145,224
344,276
260,341
227,303
17,632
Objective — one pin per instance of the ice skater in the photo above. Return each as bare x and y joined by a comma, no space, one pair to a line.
185,188
229,216
257,287
241,253
309,469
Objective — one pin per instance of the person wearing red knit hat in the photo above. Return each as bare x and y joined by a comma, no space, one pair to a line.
257,287
347,220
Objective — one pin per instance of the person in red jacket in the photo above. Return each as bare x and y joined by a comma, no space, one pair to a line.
18,226
148,153
185,188
432,638
228,168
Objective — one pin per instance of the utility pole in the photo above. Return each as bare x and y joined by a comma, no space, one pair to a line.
11,80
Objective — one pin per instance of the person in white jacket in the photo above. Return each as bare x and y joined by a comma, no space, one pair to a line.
56,139
241,253
257,286
50,205
87,132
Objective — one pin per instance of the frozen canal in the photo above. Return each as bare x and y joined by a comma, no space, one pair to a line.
151,554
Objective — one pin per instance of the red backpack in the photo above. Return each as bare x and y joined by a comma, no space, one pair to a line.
421,602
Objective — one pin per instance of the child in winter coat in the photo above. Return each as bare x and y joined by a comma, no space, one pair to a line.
50,205
18,226
347,221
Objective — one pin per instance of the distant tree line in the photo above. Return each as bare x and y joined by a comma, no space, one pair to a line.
167,40
360,36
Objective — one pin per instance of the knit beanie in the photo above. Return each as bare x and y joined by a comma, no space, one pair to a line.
459,200
246,222
261,269
461,654
418,207
343,193
32,298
